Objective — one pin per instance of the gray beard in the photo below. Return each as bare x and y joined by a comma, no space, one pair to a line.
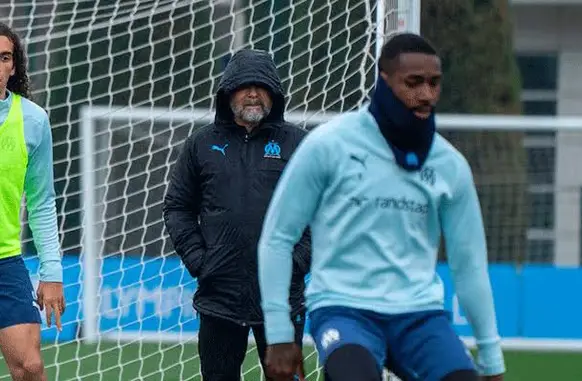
250,116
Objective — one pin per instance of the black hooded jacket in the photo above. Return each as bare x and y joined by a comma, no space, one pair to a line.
219,192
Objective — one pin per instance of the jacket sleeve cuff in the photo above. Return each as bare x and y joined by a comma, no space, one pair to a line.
51,270
279,329
490,359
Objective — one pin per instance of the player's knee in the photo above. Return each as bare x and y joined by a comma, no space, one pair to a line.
29,369
462,375
33,368
351,362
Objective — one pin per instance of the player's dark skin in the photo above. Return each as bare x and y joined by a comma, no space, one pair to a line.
415,79
284,361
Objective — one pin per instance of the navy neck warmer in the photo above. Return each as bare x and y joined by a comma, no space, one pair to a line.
409,137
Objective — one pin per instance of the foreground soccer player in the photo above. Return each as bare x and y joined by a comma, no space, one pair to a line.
26,168
377,186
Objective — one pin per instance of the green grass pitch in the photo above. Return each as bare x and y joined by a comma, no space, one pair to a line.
179,362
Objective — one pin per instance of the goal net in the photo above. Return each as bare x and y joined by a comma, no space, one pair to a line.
124,83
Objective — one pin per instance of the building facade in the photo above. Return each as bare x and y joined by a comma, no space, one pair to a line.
548,46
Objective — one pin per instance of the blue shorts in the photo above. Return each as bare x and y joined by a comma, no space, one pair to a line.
414,346
17,297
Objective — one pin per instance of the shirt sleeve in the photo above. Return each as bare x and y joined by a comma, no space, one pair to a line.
292,208
41,207
467,256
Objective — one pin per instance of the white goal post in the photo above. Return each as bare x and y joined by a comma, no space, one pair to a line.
96,121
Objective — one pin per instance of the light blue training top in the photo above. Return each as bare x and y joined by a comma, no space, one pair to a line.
39,187
376,231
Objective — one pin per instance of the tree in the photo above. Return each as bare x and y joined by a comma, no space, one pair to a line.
474,40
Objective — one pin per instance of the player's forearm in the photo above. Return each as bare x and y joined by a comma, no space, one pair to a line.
42,218
275,271
275,268
291,210
41,207
467,256
282,229
475,297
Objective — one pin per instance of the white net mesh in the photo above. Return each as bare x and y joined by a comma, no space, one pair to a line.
124,83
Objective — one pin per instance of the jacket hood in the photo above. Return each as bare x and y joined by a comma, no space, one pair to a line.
249,67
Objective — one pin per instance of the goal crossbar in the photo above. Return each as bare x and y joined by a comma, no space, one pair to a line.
95,117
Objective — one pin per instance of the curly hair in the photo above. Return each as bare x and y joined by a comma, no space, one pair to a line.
19,83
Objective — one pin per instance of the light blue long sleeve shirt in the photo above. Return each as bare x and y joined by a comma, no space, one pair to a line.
376,231
39,187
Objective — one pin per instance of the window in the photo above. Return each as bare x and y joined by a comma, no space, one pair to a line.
539,107
539,79
541,209
540,251
538,72
540,162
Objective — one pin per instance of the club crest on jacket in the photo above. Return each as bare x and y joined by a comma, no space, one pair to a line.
272,150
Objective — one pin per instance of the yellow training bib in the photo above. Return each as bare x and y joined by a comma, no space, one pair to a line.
13,163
